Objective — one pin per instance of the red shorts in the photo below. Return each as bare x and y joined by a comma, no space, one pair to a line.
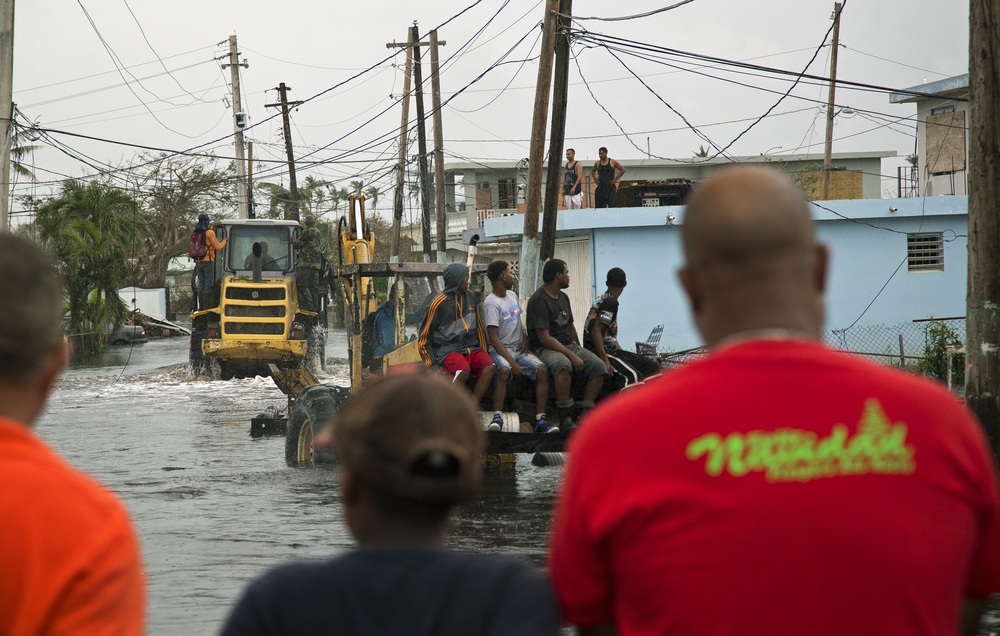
474,363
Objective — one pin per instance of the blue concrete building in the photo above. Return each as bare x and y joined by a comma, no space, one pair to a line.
892,261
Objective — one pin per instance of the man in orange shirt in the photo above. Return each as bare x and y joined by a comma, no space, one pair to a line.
204,269
69,558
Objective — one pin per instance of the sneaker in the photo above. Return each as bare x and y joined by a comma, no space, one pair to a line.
567,424
496,424
542,426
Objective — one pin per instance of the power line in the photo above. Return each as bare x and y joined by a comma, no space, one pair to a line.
626,44
631,17
103,73
117,62
146,39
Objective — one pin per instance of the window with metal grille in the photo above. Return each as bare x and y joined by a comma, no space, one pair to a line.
925,252
506,194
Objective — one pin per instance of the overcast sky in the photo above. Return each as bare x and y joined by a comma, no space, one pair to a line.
67,79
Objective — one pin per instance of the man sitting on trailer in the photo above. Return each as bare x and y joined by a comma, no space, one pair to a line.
410,448
601,329
509,342
452,337
554,339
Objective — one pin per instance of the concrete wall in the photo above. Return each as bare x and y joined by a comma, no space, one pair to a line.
951,182
646,244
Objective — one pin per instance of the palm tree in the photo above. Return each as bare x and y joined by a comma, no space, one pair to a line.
702,151
278,198
337,196
21,147
91,229
372,193
357,186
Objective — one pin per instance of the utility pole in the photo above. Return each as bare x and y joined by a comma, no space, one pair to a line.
560,95
442,220
982,348
293,189
529,244
239,123
6,107
425,205
250,210
397,213
828,151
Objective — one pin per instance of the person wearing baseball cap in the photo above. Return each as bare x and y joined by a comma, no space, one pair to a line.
410,448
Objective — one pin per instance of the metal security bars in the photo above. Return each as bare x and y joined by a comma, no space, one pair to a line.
925,252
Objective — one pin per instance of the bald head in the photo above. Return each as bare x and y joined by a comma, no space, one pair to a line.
752,260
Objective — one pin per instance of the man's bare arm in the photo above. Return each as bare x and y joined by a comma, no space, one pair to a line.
618,166
493,334
546,340
573,334
597,337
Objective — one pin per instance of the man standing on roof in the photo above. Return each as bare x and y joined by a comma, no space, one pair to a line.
607,173
452,337
69,557
775,486
573,182
308,261
204,269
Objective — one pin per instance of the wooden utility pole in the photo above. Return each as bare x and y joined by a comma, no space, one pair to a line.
292,211
250,210
239,122
397,212
560,96
828,150
425,205
440,215
982,349
6,107
529,244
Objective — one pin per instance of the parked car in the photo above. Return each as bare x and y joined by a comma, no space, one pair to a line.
129,334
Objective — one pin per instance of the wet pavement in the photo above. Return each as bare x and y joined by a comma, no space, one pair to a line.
215,508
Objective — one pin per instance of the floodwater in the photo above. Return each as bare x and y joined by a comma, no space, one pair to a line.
215,508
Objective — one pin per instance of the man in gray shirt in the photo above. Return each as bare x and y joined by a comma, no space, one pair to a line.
509,344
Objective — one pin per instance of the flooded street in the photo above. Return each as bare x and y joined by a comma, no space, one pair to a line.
215,508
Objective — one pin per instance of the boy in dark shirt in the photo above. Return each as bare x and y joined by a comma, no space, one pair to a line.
410,448
601,330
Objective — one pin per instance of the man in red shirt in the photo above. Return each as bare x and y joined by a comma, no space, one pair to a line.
774,487
69,558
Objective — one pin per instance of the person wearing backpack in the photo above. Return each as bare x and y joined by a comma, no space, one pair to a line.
201,249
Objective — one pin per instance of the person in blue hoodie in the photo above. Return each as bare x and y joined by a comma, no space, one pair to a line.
453,338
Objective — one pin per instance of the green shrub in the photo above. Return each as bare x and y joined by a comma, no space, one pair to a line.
935,362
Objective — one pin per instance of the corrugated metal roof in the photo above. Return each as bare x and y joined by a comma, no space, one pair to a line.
949,87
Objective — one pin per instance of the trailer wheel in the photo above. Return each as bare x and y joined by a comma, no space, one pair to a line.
314,407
